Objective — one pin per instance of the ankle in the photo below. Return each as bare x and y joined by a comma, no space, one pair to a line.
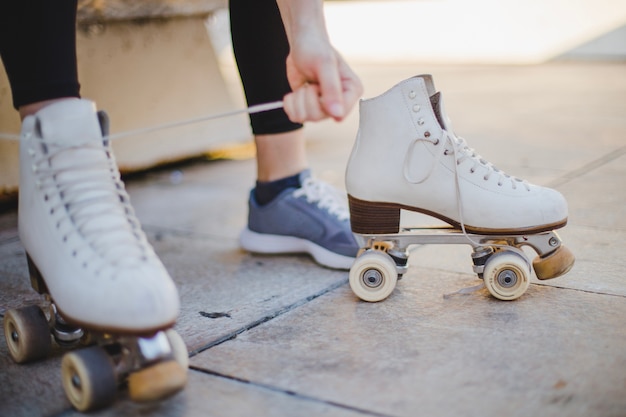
266,191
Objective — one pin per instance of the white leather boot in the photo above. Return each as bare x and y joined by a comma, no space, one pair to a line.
406,156
79,230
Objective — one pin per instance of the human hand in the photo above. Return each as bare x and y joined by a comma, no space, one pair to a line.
323,84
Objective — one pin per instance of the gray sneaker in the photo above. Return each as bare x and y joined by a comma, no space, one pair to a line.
312,219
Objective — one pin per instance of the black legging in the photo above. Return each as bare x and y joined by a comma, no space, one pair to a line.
261,48
41,62
38,49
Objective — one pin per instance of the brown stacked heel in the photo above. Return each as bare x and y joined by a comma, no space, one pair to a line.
373,218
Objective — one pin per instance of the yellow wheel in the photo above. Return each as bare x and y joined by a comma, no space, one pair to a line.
555,264
157,381
507,275
373,276
27,334
179,349
89,378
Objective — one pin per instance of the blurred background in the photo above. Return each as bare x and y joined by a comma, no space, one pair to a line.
155,62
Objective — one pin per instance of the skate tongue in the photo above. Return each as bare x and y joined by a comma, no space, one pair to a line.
71,137
436,101
78,162
69,122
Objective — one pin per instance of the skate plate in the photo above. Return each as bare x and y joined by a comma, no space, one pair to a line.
152,366
498,259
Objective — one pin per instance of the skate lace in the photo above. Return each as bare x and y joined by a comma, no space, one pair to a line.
325,196
457,147
89,191
463,152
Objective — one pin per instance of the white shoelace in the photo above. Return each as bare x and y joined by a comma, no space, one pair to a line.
325,197
257,108
463,152
96,204
457,146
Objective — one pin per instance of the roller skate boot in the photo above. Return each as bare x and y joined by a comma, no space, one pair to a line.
104,286
407,157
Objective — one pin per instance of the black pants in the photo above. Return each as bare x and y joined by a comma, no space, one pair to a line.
38,49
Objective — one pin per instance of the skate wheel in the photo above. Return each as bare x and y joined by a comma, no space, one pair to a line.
89,378
157,381
27,334
179,349
506,275
555,264
373,276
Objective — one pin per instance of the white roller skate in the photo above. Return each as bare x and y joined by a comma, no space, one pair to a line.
86,252
407,157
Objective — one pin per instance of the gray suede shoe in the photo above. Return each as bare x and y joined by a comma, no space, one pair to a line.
312,219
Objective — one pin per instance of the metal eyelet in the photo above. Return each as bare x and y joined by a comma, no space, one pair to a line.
427,134
417,108
412,94
420,122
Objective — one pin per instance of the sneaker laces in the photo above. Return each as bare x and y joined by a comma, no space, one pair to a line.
84,181
325,196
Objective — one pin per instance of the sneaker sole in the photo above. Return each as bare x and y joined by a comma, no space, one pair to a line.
276,244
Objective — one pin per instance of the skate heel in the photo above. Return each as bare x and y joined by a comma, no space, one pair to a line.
373,218
36,279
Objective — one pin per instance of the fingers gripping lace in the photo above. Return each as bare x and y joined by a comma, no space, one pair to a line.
96,205
325,197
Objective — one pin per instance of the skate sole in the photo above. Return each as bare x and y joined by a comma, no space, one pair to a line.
367,217
276,245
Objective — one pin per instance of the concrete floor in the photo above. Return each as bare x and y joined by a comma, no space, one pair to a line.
295,341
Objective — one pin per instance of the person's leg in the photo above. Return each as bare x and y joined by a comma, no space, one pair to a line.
75,220
40,67
284,188
261,48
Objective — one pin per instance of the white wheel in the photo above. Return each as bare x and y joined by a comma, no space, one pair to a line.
507,275
373,276
89,378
